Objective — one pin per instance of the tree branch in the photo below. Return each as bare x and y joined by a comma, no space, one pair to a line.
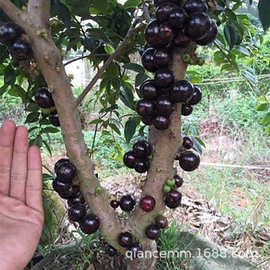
41,9
117,52
50,63
15,14
166,145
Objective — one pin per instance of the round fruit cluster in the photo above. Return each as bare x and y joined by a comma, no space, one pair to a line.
175,26
126,203
11,36
65,173
44,100
138,158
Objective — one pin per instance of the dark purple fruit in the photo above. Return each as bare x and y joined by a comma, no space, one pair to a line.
161,122
164,106
181,92
9,32
148,60
196,97
54,119
161,222
66,172
187,143
147,120
198,26
166,34
114,204
163,11
60,162
162,58
189,161
43,98
148,90
142,165
152,33
158,35
21,50
164,78
129,159
160,2
178,181
111,251
178,18
77,198
147,203
64,190
195,6
135,249
127,203
152,232
90,224
76,212
145,107
125,239
186,110
173,199
181,40
142,149
210,36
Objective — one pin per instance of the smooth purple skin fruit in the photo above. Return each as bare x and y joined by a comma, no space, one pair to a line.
152,232
129,159
90,224
189,161
198,26
186,110
210,36
161,122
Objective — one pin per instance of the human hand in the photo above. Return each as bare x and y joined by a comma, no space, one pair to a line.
21,211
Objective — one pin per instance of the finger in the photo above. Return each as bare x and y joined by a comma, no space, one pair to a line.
34,179
19,165
7,133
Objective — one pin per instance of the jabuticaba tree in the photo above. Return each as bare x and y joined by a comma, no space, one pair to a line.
34,37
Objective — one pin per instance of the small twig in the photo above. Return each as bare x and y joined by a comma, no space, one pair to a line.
117,52
84,56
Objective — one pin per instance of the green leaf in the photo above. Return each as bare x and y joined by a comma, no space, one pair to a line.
132,3
47,177
266,120
63,13
134,67
231,35
50,130
115,128
47,147
262,107
140,78
126,96
32,117
9,76
109,48
264,11
130,129
17,91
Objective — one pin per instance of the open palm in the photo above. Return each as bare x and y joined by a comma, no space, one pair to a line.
21,212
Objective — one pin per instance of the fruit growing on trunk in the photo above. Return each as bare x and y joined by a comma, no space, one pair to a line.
90,224
125,239
21,50
173,199
76,212
44,98
182,91
186,109
152,232
147,203
127,203
9,32
189,161
196,97
187,143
